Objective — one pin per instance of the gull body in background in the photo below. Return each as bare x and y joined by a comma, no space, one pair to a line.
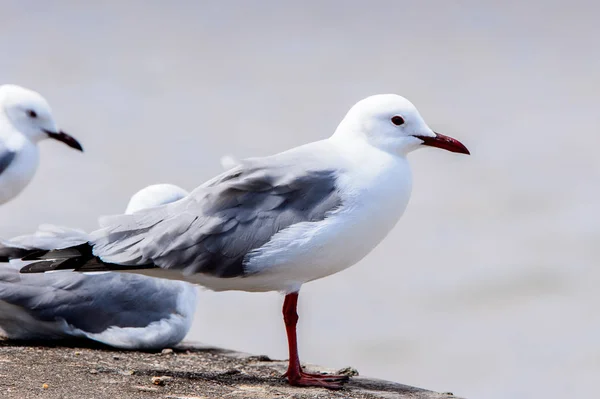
275,223
25,120
122,310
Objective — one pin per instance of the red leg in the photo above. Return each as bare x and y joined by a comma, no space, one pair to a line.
294,373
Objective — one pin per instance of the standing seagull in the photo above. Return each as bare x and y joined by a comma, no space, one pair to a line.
275,223
129,311
25,120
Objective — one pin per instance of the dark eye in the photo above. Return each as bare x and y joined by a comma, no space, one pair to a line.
398,120
32,114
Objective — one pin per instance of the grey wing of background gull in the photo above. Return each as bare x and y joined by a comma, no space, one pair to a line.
47,237
6,157
65,301
220,223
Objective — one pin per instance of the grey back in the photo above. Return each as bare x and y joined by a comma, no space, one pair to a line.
218,224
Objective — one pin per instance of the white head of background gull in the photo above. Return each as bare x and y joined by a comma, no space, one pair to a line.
155,195
278,222
130,311
25,120
228,161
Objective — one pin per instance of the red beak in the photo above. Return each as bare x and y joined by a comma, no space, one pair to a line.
445,143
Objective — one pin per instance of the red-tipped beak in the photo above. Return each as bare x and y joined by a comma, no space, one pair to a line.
445,143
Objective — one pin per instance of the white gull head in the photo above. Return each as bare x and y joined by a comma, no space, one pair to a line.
228,161
154,195
393,124
28,113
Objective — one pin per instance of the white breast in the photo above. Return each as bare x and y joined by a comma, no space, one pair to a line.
375,189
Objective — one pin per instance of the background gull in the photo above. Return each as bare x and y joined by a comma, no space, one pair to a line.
122,310
275,223
25,120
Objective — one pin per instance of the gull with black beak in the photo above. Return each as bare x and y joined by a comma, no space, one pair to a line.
25,120
278,222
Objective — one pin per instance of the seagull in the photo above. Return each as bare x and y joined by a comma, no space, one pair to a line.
277,222
130,311
25,120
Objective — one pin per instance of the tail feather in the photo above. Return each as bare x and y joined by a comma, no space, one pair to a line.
79,258
45,239
8,252
63,248
54,248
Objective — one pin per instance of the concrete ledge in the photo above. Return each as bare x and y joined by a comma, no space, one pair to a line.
77,370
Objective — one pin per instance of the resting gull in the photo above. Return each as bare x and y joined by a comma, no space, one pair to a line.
127,311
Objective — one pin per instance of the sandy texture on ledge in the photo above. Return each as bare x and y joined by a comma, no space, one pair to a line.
189,372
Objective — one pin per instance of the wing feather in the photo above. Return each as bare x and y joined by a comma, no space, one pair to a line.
216,226
6,157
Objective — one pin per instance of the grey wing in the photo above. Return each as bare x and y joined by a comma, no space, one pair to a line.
212,230
114,299
6,157
47,237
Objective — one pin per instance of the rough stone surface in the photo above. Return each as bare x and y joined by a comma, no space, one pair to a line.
80,371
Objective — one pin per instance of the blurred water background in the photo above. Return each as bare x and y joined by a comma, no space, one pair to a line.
488,287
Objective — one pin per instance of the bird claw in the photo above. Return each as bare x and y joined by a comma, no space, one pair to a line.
329,381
